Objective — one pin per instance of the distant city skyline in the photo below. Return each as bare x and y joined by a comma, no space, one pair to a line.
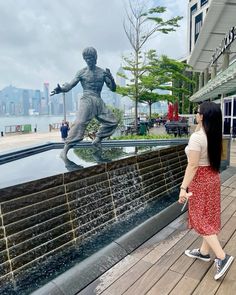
42,41
20,101
28,102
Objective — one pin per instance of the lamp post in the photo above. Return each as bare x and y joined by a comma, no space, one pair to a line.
64,105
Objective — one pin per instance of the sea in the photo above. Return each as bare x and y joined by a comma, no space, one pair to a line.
41,123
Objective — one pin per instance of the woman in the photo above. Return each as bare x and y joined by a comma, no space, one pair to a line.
202,179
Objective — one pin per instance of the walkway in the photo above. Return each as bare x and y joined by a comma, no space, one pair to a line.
233,153
11,142
159,267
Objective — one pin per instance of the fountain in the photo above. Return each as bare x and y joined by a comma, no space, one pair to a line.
51,223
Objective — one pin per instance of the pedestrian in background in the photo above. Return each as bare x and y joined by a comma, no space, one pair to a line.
64,129
202,179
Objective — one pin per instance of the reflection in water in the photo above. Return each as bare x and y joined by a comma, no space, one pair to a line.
100,155
99,158
70,165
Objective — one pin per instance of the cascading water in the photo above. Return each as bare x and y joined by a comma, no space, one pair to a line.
51,223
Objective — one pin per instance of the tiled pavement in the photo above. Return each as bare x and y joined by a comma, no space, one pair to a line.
12,142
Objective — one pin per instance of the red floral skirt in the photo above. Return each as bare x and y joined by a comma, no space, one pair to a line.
204,204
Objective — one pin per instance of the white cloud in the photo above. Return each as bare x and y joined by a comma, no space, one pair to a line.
43,40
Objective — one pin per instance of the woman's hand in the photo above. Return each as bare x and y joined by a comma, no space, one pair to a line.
183,196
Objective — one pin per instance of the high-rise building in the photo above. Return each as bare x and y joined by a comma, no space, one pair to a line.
45,106
16,101
11,101
212,47
120,77
36,102
69,101
2,105
25,102
123,102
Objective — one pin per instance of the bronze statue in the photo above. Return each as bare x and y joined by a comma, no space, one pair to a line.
92,79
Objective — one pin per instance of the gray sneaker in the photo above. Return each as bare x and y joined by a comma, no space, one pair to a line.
222,266
195,253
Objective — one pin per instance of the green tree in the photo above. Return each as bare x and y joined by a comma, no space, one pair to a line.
162,74
185,105
141,24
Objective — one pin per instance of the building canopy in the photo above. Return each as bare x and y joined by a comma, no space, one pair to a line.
218,33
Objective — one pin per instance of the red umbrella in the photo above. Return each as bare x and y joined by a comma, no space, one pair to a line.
170,113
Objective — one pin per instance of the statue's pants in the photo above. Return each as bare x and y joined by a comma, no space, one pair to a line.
92,106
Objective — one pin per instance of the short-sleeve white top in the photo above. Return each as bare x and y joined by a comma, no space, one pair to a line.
198,142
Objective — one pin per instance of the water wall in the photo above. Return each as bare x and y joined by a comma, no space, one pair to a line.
41,218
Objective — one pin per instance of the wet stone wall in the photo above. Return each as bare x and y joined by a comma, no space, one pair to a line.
40,218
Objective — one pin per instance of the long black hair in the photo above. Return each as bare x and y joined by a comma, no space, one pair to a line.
212,124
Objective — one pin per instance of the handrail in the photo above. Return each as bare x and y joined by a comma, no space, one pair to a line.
24,128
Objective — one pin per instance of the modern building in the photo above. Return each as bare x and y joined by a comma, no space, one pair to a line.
45,105
69,102
36,102
159,107
124,103
11,101
25,102
212,53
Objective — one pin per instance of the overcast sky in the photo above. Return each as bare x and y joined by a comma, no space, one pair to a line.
42,40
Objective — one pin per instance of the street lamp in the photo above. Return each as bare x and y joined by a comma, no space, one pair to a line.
64,105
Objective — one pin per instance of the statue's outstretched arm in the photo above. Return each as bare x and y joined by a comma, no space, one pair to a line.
66,86
109,80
